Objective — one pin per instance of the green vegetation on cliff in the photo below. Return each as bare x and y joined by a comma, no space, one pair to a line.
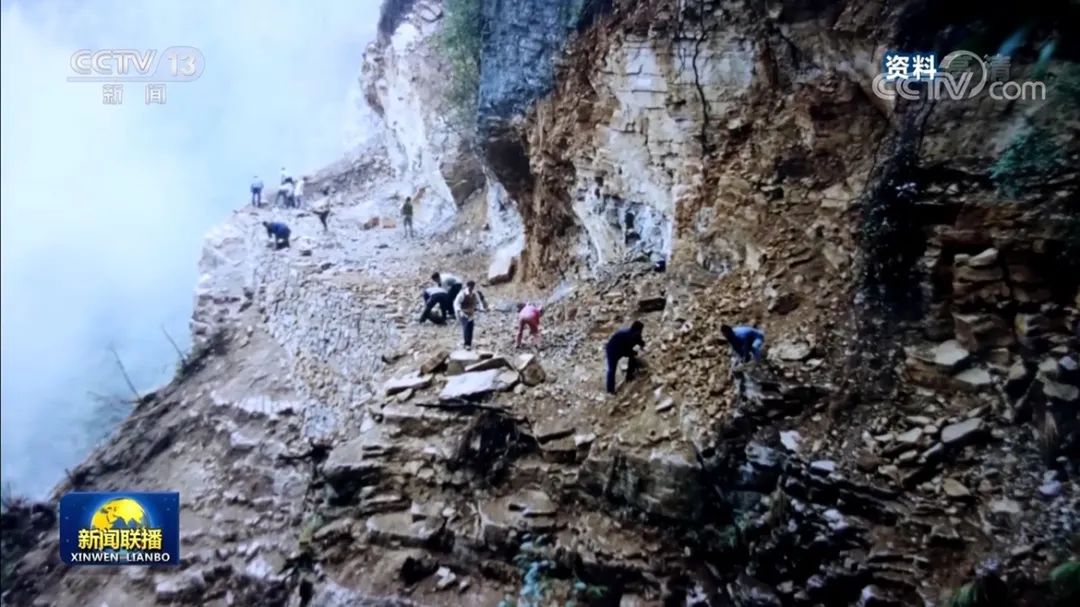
460,41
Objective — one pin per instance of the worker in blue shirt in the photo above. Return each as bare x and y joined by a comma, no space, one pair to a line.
279,232
746,341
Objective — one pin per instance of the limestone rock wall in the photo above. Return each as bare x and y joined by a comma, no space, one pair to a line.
706,132
399,102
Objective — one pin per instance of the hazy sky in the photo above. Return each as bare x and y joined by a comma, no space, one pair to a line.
104,207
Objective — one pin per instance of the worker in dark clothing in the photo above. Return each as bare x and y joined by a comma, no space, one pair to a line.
279,232
746,341
406,217
450,283
437,296
621,345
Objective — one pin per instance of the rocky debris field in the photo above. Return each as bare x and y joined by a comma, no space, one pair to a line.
330,450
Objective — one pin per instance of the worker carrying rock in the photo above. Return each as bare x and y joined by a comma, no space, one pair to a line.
321,207
285,197
529,316
466,304
746,341
298,193
278,232
621,345
437,297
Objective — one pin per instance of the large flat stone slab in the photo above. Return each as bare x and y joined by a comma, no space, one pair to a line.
527,510
476,384
459,359
411,382
403,528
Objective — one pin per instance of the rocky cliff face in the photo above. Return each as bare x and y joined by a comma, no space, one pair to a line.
913,427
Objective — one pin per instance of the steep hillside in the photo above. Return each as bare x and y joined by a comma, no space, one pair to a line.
911,435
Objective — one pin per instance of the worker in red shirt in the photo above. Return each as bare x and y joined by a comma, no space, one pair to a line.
529,316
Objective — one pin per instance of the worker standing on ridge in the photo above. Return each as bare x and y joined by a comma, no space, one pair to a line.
298,195
451,283
279,232
621,345
285,194
256,191
467,302
406,217
436,296
529,316
746,342
321,207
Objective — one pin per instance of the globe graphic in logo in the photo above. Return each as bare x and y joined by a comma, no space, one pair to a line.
121,513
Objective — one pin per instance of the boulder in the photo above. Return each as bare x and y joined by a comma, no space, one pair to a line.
347,468
1018,379
963,433
987,258
983,267
186,586
935,366
1031,329
971,274
981,332
1050,489
477,384
401,528
459,359
429,13
1059,391
549,429
750,592
950,355
973,379
371,223
1021,273
790,440
446,578
484,364
784,303
502,267
664,480
1031,293
651,304
532,373
528,510
911,437
507,379
410,382
955,489
1068,366
435,362
1005,507
790,351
